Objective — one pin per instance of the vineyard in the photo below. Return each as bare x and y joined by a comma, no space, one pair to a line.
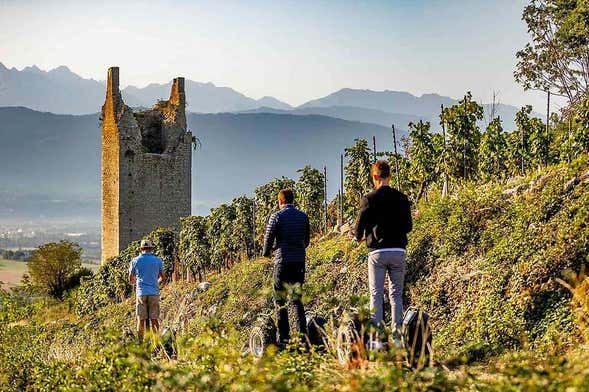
432,165
497,257
489,262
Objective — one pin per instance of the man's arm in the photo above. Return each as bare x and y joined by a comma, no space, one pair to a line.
362,219
132,278
161,275
407,219
270,235
307,232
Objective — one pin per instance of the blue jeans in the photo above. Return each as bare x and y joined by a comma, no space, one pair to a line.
379,264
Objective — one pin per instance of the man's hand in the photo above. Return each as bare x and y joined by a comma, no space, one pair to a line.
132,279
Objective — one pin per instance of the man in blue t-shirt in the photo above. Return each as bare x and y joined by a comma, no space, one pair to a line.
145,270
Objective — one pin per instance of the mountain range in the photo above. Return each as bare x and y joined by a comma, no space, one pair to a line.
61,91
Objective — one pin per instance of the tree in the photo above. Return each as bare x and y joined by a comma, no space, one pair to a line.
223,245
310,196
406,185
193,245
534,144
357,180
493,152
244,225
52,264
540,141
164,240
513,153
422,156
266,199
580,131
557,58
463,137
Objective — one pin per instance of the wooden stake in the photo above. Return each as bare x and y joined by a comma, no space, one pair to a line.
396,158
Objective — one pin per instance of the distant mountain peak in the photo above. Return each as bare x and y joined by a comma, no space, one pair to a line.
62,69
273,103
32,68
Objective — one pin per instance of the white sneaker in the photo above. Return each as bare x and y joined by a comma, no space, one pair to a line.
375,345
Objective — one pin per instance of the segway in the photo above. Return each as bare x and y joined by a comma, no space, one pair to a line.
417,338
264,333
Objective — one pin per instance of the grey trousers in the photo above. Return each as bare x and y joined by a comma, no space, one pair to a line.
379,264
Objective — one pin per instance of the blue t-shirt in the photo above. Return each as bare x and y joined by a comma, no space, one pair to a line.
146,268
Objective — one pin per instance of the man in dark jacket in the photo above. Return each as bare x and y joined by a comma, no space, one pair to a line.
288,233
384,221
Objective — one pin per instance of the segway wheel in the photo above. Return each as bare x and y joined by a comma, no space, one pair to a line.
316,331
256,343
346,337
417,338
262,335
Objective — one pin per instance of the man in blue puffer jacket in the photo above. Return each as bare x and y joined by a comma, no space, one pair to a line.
288,233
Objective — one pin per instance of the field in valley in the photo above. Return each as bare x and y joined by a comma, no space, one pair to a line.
11,272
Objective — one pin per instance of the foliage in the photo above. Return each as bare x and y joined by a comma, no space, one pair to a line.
193,245
75,278
310,196
110,284
493,151
357,180
223,245
52,265
266,199
557,58
580,134
422,156
244,226
14,255
463,137
405,184
165,243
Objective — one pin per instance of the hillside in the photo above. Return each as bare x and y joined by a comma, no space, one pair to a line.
352,113
484,262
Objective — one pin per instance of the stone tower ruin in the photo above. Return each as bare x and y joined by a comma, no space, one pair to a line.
146,165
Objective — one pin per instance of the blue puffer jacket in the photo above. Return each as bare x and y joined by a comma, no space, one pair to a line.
288,232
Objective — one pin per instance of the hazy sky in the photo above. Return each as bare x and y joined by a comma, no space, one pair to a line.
292,50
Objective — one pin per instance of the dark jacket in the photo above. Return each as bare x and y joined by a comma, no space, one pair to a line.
385,219
288,232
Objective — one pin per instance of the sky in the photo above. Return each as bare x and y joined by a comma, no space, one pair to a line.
293,50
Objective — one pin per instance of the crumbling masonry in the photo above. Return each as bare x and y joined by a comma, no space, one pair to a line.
146,164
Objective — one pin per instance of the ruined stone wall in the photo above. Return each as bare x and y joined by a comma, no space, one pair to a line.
153,170
110,166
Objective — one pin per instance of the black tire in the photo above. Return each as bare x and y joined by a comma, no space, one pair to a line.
316,331
347,336
169,343
417,338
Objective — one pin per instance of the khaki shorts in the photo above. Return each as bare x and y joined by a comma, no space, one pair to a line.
148,307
